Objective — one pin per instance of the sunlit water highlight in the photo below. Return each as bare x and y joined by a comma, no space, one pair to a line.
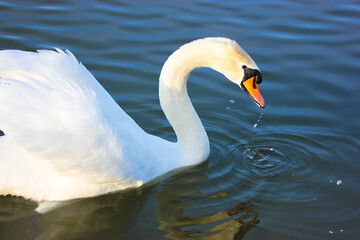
291,171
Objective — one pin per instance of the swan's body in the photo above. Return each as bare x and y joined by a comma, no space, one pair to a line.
62,136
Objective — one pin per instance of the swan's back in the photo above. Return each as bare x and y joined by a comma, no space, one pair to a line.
59,125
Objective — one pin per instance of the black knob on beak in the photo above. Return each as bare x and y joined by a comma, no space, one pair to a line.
258,79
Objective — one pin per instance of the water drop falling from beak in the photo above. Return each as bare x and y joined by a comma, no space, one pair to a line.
258,124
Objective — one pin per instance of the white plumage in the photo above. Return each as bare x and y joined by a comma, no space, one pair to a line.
66,138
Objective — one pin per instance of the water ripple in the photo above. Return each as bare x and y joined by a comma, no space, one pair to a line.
266,162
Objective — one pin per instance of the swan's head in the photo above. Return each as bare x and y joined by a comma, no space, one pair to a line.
251,79
238,67
244,72
221,54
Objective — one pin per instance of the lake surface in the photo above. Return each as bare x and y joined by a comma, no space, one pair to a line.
291,171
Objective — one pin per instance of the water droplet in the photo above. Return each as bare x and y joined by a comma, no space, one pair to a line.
258,121
338,182
232,101
228,108
341,230
331,232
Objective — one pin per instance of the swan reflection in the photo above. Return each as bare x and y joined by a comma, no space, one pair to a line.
231,224
104,217
178,208
184,216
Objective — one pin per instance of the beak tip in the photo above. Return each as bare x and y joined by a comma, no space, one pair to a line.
262,105
260,102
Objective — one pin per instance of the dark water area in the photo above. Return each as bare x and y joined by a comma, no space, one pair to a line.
291,171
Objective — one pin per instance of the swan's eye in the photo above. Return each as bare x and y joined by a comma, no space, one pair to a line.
244,66
2,133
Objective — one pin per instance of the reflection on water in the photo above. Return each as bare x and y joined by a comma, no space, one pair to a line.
112,216
108,216
79,219
13,208
180,216
230,224
271,174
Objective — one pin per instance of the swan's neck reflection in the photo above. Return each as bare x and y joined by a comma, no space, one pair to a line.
184,216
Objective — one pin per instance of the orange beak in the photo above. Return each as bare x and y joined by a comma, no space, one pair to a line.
251,88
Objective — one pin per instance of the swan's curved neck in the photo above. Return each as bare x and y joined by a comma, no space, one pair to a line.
178,108
175,101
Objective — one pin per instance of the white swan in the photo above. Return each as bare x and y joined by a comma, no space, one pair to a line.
63,137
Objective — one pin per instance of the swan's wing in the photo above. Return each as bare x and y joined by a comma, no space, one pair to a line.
53,112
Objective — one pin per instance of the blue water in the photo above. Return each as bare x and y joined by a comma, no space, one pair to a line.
291,171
